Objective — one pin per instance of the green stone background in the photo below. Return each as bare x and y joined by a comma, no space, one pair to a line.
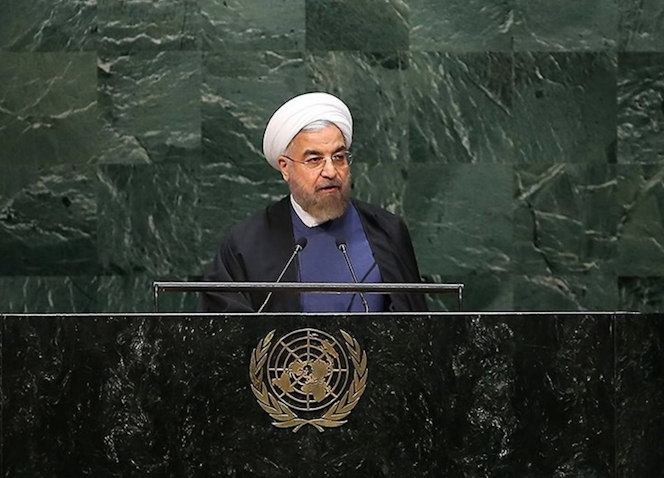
523,141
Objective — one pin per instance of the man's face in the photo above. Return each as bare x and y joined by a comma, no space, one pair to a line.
323,193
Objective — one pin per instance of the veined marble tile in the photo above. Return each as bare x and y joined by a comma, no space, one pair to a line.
567,25
461,108
641,25
643,294
461,25
641,107
240,92
148,220
134,294
48,221
48,108
565,219
640,196
232,25
368,25
460,217
557,371
135,25
565,107
39,294
565,292
47,25
639,395
150,106
482,291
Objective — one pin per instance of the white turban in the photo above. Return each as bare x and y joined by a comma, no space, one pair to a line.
297,113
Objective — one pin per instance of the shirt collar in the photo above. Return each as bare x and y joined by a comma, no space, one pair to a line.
304,216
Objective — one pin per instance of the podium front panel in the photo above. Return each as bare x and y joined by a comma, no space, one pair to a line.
438,395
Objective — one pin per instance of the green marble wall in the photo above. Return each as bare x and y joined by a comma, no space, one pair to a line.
523,140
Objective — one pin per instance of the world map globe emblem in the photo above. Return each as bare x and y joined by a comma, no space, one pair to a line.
308,378
308,369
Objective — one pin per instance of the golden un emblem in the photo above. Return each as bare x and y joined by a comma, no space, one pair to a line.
306,378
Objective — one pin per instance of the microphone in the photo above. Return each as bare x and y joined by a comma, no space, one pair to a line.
341,245
299,245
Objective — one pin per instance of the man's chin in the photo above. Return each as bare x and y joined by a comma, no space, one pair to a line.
328,208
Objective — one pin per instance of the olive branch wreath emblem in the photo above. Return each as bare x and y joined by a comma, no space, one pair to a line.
283,415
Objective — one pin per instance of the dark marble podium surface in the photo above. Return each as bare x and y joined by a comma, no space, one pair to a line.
448,395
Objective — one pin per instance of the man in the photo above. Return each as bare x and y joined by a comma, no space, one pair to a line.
308,140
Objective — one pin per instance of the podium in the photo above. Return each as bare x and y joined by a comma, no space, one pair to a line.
445,394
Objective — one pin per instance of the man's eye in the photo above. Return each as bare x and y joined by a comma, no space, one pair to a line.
339,157
314,160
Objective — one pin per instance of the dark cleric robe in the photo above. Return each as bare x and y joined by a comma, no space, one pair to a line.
258,248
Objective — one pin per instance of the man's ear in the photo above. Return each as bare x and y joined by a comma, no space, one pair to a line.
283,167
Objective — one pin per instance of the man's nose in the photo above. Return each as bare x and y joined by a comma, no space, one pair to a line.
329,170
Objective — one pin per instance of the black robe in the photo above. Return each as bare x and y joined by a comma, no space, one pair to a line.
258,248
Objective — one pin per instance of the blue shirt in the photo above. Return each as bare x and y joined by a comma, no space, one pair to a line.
322,261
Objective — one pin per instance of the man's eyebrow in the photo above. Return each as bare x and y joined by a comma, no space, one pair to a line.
313,152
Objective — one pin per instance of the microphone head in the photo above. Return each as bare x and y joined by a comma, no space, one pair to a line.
301,243
341,244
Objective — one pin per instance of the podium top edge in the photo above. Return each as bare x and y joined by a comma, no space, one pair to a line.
324,314
165,286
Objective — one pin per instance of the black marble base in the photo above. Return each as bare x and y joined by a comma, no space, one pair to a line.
504,395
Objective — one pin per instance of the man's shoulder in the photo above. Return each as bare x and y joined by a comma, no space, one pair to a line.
271,215
376,212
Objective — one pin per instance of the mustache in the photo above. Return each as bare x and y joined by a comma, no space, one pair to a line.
336,183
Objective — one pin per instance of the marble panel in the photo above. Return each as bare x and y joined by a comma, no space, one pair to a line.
461,108
640,196
641,108
134,294
48,294
643,294
369,25
233,25
565,292
48,108
60,368
372,85
461,25
47,25
565,219
641,25
565,107
569,25
639,395
240,92
496,396
129,26
482,291
455,230
48,221
558,374
149,220
150,107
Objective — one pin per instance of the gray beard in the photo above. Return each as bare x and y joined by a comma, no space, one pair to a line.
322,208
